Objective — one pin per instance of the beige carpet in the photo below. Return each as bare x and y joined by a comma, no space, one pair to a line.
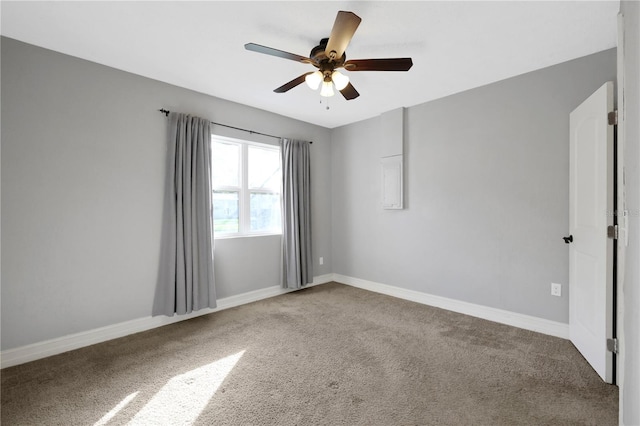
327,355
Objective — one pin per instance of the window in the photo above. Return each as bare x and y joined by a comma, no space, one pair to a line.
246,188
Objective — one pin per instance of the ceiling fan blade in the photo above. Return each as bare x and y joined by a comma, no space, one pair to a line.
349,92
344,27
275,52
389,64
293,83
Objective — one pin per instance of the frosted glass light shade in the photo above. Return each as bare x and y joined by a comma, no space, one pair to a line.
327,89
313,80
340,80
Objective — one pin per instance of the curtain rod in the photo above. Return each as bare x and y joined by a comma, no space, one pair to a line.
166,113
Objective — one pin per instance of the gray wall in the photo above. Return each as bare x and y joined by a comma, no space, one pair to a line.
83,157
486,193
630,391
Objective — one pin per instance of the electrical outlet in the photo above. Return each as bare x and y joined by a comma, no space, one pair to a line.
322,260
556,289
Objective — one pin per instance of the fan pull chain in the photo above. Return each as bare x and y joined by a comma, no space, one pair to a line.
327,100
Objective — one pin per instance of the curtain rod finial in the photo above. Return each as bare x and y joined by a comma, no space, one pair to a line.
164,111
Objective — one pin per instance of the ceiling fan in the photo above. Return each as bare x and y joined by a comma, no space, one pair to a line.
329,55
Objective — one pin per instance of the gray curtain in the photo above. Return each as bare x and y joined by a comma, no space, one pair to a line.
186,279
296,213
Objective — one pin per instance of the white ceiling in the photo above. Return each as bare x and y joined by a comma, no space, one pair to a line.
455,45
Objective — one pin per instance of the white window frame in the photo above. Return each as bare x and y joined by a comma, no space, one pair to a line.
243,190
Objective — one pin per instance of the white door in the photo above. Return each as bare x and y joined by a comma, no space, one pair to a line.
590,209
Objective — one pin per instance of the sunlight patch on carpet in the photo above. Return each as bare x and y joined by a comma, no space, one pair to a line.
183,398
111,414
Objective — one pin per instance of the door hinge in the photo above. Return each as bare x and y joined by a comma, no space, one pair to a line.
612,345
613,118
612,232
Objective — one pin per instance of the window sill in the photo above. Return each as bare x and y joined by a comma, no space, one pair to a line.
231,236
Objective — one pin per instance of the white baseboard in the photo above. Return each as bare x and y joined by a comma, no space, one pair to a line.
526,322
70,342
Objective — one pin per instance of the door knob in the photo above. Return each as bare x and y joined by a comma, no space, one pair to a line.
568,239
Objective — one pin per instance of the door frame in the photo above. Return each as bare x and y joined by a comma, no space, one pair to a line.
623,234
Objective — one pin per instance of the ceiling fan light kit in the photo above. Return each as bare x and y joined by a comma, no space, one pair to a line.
339,79
314,79
327,89
330,55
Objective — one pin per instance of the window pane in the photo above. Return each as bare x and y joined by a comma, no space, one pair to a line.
225,212
265,212
264,168
225,164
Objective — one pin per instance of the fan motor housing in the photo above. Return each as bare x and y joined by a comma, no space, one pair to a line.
320,59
